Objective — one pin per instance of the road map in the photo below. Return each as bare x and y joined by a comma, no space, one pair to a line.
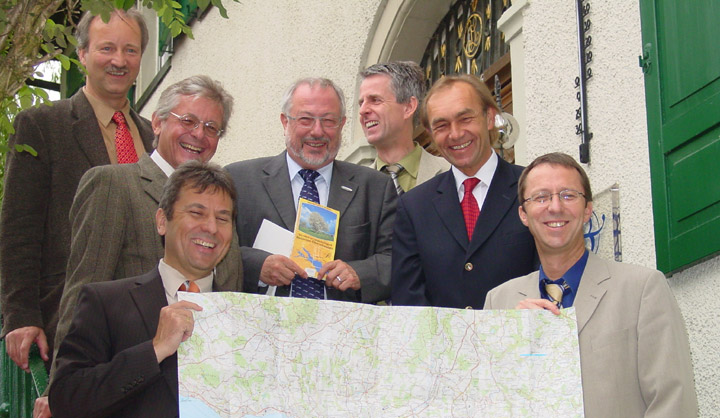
272,357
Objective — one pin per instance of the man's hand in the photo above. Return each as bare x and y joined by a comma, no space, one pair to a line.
340,275
278,270
175,326
41,408
18,342
538,304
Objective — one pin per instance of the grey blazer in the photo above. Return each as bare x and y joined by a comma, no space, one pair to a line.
34,227
365,198
634,350
114,233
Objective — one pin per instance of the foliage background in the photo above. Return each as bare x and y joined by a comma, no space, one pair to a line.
36,31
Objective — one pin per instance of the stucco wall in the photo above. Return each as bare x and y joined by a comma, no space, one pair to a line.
260,50
265,46
619,148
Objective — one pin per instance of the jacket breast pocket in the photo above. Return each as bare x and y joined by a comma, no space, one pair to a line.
353,241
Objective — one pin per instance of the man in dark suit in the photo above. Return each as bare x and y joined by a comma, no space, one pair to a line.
313,116
634,351
119,358
113,229
457,235
70,137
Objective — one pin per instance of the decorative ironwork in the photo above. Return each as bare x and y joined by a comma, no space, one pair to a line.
467,41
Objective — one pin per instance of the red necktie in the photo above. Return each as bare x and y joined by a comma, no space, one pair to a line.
124,145
469,205
191,287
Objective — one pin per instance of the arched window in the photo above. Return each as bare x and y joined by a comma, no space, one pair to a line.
467,41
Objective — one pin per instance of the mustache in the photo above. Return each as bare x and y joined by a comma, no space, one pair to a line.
113,68
312,139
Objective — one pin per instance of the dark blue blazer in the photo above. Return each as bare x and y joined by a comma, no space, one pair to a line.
434,263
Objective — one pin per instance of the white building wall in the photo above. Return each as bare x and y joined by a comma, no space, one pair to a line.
261,50
266,45
618,150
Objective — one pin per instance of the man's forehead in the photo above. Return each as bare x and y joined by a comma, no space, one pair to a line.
544,175
115,18
194,194
306,95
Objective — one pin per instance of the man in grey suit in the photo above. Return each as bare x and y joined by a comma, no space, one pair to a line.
113,230
119,358
70,137
313,115
390,96
634,352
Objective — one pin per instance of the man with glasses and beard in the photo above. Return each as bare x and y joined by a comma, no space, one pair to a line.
313,115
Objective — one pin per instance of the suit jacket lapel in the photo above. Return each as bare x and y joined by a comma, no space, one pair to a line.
593,285
149,298
342,189
277,184
447,206
152,177
501,198
86,130
146,133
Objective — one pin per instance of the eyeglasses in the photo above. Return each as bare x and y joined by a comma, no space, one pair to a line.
309,121
544,198
191,122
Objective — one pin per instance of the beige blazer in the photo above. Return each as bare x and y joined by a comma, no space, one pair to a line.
634,350
430,166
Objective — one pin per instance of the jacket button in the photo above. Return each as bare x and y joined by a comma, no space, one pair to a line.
469,307
468,266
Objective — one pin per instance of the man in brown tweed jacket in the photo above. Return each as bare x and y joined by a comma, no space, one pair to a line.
70,137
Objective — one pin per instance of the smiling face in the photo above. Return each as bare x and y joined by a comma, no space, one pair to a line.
177,144
460,126
556,227
112,58
199,234
383,119
316,146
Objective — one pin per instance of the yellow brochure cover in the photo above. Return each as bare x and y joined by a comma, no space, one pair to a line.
315,236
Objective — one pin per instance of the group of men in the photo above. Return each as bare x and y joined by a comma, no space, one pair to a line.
97,237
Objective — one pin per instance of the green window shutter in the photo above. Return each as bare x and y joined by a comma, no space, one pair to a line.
189,10
682,88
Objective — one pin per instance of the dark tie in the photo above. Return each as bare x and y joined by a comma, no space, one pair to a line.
310,288
124,145
470,208
394,170
556,290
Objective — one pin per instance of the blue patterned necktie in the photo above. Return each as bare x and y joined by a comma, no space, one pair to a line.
556,290
309,190
310,288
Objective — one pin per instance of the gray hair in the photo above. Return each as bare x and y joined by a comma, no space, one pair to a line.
197,176
406,80
82,32
312,82
195,86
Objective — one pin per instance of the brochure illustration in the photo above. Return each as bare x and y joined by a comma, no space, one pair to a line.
315,236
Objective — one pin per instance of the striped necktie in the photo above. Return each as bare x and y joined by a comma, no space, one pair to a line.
556,290
394,170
